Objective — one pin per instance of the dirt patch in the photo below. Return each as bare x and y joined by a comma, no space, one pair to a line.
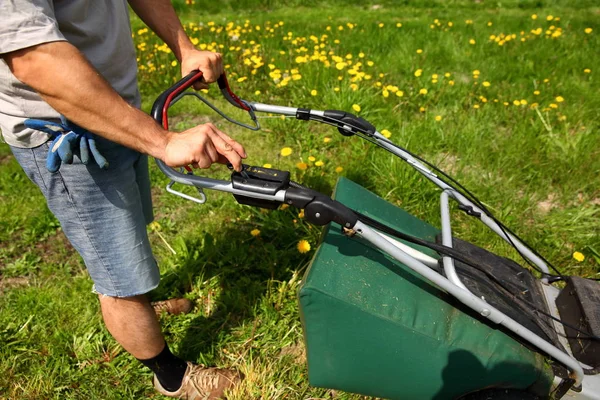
447,162
547,205
5,159
10,283
297,351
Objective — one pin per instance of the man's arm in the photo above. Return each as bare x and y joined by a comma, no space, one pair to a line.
160,16
65,80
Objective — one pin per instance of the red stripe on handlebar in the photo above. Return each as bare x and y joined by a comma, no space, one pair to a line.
174,93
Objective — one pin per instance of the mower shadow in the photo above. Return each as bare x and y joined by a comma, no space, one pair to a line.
230,274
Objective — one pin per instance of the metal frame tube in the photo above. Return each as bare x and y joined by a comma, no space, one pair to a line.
526,251
471,301
448,262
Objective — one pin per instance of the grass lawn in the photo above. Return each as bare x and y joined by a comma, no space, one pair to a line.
505,99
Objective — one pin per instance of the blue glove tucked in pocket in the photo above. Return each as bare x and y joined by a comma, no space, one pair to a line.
67,138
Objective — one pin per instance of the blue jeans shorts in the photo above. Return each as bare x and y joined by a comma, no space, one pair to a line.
103,213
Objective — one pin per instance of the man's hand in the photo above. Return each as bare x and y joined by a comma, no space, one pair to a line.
202,146
211,65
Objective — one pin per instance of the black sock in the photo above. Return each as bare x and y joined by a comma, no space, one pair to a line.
168,368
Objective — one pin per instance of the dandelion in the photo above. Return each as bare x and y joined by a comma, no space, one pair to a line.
588,30
451,83
418,72
257,92
340,65
284,206
587,71
385,93
173,63
419,51
438,118
486,84
399,93
472,41
476,106
313,92
553,105
286,151
579,257
302,166
534,16
242,78
559,99
301,214
423,91
356,107
303,246
326,140
339,169
399,25
267,165
523,102
255,232
319,163
536,92
311,159
549,18
517,103
386,133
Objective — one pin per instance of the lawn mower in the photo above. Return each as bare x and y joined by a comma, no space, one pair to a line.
394,307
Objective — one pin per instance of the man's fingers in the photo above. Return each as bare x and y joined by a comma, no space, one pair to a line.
235,145
224,148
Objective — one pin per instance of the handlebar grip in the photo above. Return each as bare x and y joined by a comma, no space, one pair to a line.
162,102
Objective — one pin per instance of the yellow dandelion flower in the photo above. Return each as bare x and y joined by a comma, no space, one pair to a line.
536,92
340,65
523,102
386,133
319,163
267,165
354,87
302,166
516,102
173,63
587,71
423,91
418,72
476,106
486,84
422,109
451,83
339,169
559,99
553,105
303,246
399,93
313,92
588,30
286,151
549,18
476,72
255,232
447,74
381,25
398,25
419,51
356,107
578,256
472,41
326,140
311,159
257,92
301,214
385,93
534,16
438,118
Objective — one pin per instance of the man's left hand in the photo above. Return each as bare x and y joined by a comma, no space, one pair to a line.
211,65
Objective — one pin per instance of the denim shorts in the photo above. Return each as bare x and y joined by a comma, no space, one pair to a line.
103,213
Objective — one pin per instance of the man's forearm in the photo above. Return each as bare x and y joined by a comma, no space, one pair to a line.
160,16
65,80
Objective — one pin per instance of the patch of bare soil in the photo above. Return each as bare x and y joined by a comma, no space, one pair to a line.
13,282
548,204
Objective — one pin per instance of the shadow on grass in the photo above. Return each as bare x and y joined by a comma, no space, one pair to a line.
230,274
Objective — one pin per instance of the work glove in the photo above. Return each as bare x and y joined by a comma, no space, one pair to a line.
67,138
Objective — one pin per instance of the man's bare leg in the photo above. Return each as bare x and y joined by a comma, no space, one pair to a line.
132,322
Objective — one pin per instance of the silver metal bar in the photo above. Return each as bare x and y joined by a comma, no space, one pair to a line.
268,108
526,251
448,262
422,257
471,301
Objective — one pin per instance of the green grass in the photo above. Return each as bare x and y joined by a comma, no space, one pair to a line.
536,169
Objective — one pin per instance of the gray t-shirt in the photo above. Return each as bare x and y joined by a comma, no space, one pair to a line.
100,29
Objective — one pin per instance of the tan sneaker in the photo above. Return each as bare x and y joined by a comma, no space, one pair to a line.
172,306
201,383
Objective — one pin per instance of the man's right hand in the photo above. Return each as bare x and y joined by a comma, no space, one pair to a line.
202,146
